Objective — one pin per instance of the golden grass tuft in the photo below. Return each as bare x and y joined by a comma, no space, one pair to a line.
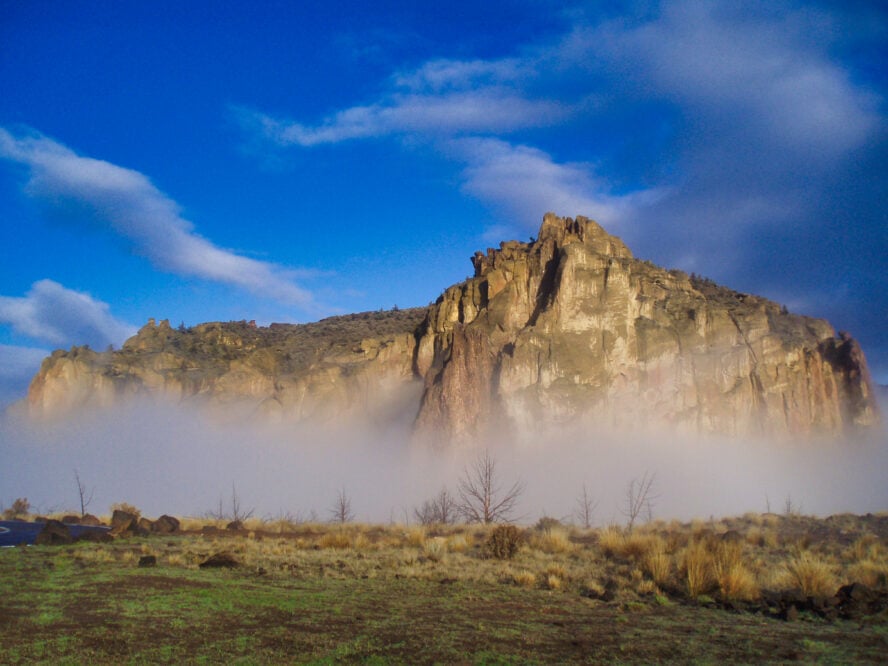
557,569
656,562
459,543
524,578
812,574
552,540
175,560
869,572
435,548
338,540
415,537
867,547
553,582
733,577
610,540
636,546
697,568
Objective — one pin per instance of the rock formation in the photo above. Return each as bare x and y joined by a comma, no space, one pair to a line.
567,328
571,325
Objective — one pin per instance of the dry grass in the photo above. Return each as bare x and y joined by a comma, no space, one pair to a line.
697,558
415,537
524,578
657,563
812,574
551,540
553,582
338,540
697,568
610,540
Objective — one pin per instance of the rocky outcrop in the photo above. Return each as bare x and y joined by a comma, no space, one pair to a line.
567,328
571,326
353,365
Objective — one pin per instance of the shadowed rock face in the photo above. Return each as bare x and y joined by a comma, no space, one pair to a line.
565,328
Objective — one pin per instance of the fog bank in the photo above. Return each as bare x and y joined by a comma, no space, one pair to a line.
167,459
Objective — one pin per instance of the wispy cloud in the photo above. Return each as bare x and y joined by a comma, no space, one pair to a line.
53,314
765,73
131,206
521,181
490,110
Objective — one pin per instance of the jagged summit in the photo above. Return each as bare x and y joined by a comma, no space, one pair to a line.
569,327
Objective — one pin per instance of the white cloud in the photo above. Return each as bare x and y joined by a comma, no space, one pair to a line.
488,110
133,207
768,74
56,315
448,74
524,182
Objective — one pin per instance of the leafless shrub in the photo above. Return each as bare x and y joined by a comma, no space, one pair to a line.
236,513
586,506
341,511
481,499
639,499
791,509
440,510
85,496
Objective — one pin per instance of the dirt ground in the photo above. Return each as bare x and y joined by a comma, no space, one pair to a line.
295,600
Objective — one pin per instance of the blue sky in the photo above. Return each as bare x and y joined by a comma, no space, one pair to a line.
217,160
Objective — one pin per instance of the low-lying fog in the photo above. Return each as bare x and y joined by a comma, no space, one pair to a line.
171,460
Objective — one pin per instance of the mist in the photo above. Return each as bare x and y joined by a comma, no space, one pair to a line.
171,459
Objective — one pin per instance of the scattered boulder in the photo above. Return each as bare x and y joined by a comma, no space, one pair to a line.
857,600
144,527
123,522
235,525
54,533
90,520
148,561
166,525
71,520
850,602
220,560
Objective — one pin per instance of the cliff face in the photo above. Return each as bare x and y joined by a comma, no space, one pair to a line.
565,328
356,365
571,325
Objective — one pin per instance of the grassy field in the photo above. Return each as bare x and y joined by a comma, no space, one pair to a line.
701,592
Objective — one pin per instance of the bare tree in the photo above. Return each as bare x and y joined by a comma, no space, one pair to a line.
481,499
341,511
439,510
238,514
586,506
791,508
85,495
639,499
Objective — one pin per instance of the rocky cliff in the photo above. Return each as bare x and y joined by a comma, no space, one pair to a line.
567,328
354,365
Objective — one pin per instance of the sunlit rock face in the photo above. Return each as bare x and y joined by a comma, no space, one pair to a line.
317,372
567,329
571,326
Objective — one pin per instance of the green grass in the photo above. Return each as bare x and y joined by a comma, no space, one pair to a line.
66,605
